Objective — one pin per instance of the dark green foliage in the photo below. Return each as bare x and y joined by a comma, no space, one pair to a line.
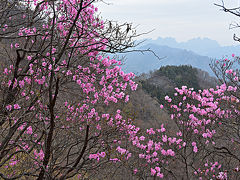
180,75
177,76
154,90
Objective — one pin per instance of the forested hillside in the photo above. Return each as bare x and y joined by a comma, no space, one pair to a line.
163,82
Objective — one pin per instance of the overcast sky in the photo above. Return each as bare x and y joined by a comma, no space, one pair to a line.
180,19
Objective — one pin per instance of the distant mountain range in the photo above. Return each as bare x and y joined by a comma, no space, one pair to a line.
197,52
201,46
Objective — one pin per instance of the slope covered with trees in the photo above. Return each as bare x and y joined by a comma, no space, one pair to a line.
163,82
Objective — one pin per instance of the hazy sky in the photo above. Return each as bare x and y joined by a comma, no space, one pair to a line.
181,19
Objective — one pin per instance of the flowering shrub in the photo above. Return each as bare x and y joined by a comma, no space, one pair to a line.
56,91
59,90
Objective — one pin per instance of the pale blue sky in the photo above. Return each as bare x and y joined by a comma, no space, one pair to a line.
180,19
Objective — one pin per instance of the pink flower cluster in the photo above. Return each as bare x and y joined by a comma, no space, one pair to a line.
97,156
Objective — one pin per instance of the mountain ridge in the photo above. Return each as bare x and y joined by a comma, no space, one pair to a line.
143,63
201,46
